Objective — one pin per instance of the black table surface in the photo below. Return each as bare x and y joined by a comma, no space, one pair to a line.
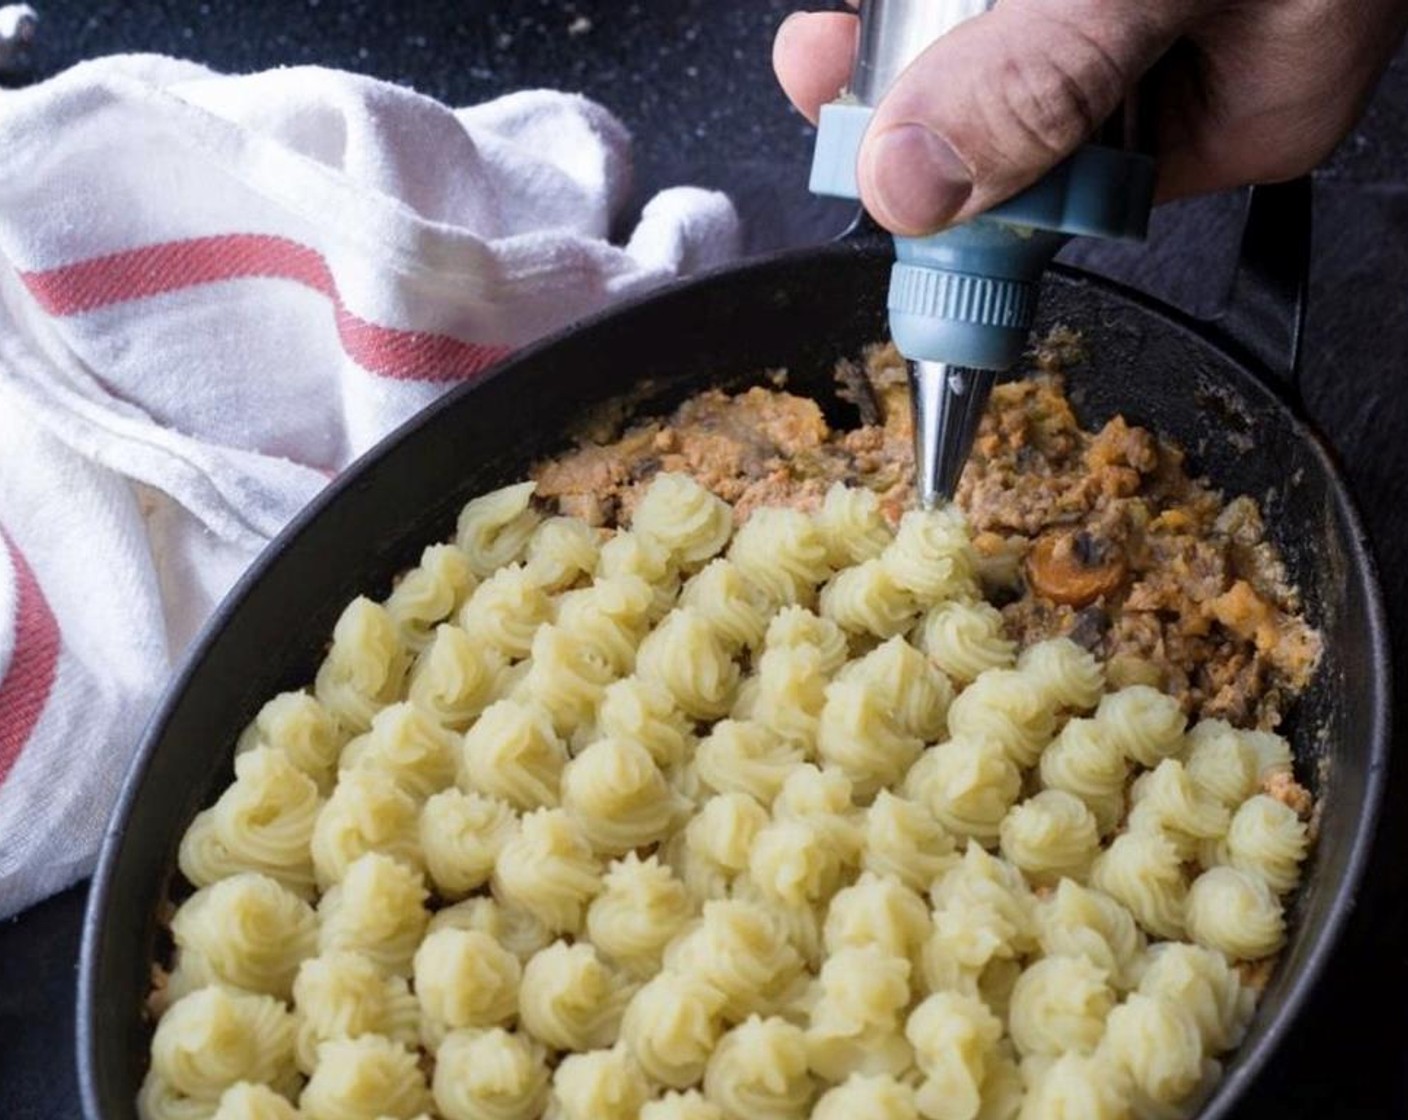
691,78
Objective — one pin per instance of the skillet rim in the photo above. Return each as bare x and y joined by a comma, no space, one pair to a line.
1346,892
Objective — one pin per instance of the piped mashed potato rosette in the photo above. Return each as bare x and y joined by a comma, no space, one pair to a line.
717,816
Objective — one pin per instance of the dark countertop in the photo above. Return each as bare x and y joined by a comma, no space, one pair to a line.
691,78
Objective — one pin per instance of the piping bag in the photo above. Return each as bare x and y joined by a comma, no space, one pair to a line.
962,302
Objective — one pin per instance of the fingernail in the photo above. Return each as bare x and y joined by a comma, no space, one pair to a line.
917,181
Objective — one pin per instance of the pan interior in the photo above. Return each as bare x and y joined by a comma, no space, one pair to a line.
802,312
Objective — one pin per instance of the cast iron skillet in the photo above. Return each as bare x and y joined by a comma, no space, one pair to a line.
1210,387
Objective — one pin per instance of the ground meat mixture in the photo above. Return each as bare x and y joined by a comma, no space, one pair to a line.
1101,536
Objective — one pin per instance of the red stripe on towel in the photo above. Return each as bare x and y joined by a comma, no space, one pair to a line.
133,274
29,680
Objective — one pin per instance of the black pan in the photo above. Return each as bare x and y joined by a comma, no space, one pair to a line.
1210,387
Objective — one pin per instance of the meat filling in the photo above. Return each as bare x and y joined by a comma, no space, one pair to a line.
1102,536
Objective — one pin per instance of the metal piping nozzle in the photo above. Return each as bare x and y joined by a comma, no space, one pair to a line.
948,407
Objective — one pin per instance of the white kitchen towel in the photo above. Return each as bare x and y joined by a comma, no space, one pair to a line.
215,292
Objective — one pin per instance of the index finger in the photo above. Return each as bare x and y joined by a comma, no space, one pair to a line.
813,54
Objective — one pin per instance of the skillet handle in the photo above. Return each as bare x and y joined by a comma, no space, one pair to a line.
1264,313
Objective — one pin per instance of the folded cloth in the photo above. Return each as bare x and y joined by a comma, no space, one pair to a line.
215,292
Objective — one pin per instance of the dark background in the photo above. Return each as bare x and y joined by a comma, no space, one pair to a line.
692,79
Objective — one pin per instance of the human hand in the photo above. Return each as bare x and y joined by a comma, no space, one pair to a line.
1244,91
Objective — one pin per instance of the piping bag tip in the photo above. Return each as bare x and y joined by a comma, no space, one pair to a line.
948,402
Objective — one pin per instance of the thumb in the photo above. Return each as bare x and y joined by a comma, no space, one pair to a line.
1001,99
